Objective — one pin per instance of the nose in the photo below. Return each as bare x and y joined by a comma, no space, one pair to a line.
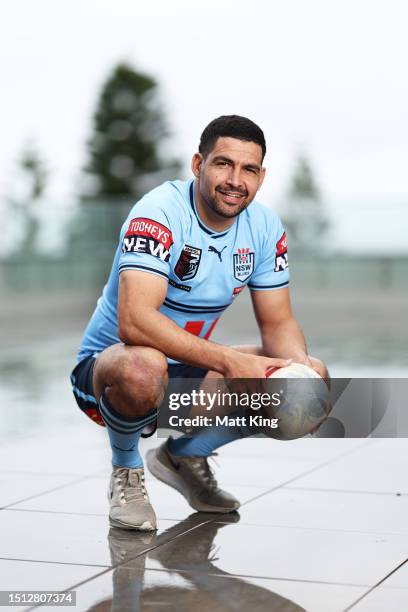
235,178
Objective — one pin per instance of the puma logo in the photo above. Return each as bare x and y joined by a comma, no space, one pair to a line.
212,249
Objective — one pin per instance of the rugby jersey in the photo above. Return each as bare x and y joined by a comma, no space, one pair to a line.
205,270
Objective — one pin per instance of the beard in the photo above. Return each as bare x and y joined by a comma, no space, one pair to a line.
222,209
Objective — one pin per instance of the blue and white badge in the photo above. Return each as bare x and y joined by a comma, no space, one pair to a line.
244,261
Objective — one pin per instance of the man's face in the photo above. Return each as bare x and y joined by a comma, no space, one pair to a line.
230,176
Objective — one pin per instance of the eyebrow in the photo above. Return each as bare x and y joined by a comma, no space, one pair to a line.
227,159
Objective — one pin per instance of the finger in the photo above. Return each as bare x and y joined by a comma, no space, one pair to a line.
277,363
280,363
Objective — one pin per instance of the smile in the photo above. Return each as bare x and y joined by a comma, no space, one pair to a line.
232,194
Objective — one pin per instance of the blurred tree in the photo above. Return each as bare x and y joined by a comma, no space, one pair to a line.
303,183
29,180
127,158
28,185
129,131
36,172
306,217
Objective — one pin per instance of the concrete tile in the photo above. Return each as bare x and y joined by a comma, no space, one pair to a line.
358,512
392,594
383,599
129,589
86,497
281,553
309,449
29,576
59,538
18,486
75,451
89,497
399,579
377,467
265,473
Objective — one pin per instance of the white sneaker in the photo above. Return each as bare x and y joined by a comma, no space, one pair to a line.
130,507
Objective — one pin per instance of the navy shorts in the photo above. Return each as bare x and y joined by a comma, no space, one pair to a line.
82,384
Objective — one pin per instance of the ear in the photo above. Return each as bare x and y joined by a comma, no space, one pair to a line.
196,164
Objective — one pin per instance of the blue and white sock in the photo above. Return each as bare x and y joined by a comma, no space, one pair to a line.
124,434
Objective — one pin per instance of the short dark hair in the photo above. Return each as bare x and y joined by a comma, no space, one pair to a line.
231,126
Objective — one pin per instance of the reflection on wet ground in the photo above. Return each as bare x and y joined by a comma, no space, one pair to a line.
202,586
322,528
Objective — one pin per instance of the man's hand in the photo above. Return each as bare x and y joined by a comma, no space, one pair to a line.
245,365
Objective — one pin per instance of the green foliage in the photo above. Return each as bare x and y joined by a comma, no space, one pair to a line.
129,130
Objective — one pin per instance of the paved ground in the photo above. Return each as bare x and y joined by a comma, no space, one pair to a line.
322,528
323,523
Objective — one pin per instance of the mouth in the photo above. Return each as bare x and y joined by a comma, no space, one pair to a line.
231,197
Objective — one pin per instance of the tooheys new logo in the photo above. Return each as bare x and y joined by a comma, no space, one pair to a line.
148,236
281,257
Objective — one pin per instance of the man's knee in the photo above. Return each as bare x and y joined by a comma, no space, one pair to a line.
134,379
139,364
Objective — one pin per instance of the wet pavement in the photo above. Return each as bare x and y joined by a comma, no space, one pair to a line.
322,528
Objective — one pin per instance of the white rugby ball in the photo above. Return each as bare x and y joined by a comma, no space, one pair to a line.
294,370
304,400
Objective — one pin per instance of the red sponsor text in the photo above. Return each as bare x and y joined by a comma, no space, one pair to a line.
151,229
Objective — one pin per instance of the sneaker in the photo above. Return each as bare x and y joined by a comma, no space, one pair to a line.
193,478
130,507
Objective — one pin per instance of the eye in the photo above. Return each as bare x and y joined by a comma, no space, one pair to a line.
222,163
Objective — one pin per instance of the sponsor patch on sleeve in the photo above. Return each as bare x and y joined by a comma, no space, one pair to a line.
148,236
281,257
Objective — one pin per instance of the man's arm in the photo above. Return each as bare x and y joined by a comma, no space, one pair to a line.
141,324
280,332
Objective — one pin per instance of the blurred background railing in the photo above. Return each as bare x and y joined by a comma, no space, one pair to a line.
72,248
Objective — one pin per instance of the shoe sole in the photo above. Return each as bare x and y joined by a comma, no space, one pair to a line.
146,526
168,477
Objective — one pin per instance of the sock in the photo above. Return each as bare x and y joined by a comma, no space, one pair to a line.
124,434
205,441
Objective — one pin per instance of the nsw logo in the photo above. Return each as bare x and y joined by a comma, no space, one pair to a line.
244,260
188,262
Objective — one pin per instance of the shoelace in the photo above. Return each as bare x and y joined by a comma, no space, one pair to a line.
133,487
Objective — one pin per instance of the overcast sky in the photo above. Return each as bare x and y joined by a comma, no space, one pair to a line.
328,77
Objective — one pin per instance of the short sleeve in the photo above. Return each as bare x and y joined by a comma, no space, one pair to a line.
147,239
271,270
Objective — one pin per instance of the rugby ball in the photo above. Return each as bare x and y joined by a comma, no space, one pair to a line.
294,370
304,401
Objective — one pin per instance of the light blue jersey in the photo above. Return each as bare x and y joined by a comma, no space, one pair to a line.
205,270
